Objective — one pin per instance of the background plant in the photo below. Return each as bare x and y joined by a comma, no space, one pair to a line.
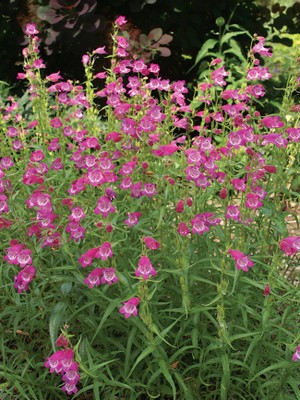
154,241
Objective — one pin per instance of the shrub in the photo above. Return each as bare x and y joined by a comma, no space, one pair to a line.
147,253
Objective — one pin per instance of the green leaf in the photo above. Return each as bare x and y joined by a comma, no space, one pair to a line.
202,53
164,369
55,321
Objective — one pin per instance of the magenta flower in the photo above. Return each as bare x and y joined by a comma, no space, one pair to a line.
129,307
104,251
109,276
24,277
104,206
296,355
253,201
145,268
179,206
183,229
121,20
62,362
272,122
242,261
31,30
132,219
93,279
165,150
199,224
151,243
233,212
260,49
290,245
88,257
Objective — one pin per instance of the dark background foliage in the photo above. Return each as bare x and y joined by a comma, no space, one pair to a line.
86,24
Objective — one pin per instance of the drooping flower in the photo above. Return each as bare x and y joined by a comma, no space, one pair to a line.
242,261
151,243
290,245
145,268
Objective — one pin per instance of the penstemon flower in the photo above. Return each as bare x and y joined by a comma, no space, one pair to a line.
242,261
129,307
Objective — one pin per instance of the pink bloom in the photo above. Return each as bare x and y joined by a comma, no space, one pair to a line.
183,229
93,279
56,122
290,245
104,251
31,30
121,20
233,212
88,257
133,218
109,276
104,206
165,150
151,243
145,268
179,206
129,307
274,138
253,201
296,355
267,290
23,278
260,49
61,341
199,224
85,59
239,184
100,50
55,77
242,261
77,213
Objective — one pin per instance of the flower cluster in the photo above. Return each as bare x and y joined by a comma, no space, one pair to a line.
18,254
62,363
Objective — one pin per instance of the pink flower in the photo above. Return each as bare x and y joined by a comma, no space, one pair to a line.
93,279
100,50
267,290
23,278
179,206
55,77
104,206
129,307
296,355
183,229
88,257
109,276
290,245
121,20
260,49
242,261
145,269
151,243
31,30
133,219
165,150
253,201
104,251
233,212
